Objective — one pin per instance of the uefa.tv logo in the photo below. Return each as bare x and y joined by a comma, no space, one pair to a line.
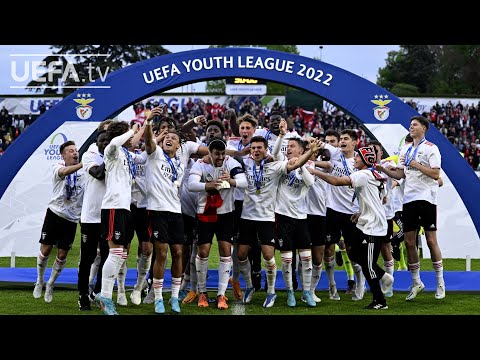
34,67
52,152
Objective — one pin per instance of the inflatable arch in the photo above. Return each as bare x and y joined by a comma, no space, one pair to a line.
370,104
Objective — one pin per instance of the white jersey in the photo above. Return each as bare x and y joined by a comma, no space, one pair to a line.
207,172
186,150
419,186
94,189
389,205
372,220
164,178
339,198
67,196
235,144
188,199
139,186
317,196
291,195
397,192
118,177
261,206
272,138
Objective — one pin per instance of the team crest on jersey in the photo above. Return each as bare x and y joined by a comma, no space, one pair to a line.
381,111
84,238
84,111
44,235
117,235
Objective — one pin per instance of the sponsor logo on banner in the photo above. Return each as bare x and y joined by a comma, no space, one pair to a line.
381,111
52,152
84,111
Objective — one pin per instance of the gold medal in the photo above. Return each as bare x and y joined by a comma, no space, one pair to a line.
257,192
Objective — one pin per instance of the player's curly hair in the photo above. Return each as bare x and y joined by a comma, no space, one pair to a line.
117,128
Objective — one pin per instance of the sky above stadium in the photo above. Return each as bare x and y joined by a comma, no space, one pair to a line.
362,60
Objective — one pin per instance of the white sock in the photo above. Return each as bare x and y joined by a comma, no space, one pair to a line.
94,268
122,274
224,267
42,263
202,268
330,269
359,275
316,274
57,268
415,272
176,286
306,261
245,269
388,265
438,267
157,288
287,269
110,271
271,270
143,266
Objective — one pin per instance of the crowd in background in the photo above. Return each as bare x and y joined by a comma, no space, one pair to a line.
458,122
11,126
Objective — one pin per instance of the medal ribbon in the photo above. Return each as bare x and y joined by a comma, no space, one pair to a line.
71,185
409,160
172,166
258,176
131,165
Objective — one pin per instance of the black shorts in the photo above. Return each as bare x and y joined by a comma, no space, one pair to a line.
58,231
388,237
292,233
190,229
140,223
317,228
166,227
338,225
419,213
252,231
91,232
117,226
222,228
237,214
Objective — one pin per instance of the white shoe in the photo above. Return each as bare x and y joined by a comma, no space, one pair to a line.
440,293
387,284
150,298
136,297
122,299
37,290
333,293
48,293
414,290
358,293
315,297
